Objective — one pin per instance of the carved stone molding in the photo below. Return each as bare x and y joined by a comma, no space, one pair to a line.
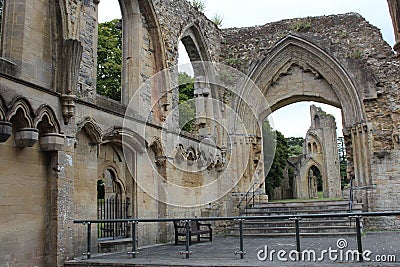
68,107
26,137
71,63
5,131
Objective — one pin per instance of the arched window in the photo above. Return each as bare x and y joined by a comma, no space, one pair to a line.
315,147
109,52
111,206
309,148
317,122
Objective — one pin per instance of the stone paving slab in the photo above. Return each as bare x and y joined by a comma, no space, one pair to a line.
220,252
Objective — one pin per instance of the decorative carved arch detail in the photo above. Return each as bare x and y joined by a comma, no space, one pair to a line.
308,164
126,137
89,125
46,111
23,105
2,110
317,139
296,50
109,165
147,9
191,35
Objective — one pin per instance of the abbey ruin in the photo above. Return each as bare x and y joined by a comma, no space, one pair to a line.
62,143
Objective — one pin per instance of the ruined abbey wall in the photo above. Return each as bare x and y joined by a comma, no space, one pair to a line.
370,64
58,136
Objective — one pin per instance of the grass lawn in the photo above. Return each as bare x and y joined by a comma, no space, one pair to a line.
320,197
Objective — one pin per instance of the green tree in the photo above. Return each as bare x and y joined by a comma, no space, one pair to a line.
275,175
342,160
295,145
109,59
187,109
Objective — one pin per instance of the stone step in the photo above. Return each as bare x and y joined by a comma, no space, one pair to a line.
287,223
270,235
298,209
321,203
282,208
320,229
292,212
308,226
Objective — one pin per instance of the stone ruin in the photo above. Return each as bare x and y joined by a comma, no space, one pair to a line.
321,156
59,137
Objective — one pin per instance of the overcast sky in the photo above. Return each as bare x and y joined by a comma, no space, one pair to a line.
293,120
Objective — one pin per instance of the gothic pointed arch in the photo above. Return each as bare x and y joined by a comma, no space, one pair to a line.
3,110
59,23
45,112
294,53
91,128
195,43
316,140
25,110
133,13
127,138
109,165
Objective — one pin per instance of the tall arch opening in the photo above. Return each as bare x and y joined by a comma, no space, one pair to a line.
296,70
109,51
310,132
193,52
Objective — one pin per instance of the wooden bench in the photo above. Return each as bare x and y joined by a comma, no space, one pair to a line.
195,229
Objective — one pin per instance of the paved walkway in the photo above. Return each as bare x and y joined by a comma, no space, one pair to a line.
220,252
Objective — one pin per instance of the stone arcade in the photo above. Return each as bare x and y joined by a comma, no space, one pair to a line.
59,138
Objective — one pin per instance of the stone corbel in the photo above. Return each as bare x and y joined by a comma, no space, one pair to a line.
71,63
68,107
5,131
165,102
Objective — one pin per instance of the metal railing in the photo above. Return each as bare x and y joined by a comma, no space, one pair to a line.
111,209
247,199
240,219
351,196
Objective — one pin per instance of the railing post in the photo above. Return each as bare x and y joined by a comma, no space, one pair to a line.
241,249
89,239
359,241
297,226
351,196
187,239
253,196
134,244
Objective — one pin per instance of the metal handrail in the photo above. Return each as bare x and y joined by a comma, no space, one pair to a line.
296,218
351,196
245,198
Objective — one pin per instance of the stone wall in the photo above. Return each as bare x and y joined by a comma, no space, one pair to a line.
47,82
320,151
372,68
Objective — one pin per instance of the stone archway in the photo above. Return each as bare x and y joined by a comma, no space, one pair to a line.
296,70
